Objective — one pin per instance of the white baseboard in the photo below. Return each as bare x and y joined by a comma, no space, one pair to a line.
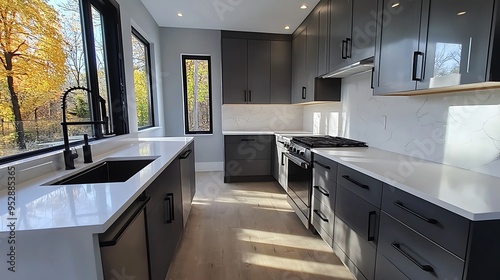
209,166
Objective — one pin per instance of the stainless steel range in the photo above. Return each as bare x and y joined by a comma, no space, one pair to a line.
300,161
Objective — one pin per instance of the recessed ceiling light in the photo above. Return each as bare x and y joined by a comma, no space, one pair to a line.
461,13
395,5
287,27
179,14
303,7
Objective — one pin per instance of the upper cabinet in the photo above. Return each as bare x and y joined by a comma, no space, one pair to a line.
352,32
309,59
434,45
256,68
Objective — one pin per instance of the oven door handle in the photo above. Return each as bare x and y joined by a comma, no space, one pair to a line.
298,161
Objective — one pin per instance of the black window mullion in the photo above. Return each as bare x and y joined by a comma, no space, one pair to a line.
88,35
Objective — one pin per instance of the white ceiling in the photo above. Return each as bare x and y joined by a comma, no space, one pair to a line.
269,16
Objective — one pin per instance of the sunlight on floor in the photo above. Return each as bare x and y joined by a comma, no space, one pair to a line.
281,239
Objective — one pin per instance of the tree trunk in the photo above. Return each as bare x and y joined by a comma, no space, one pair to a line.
18,120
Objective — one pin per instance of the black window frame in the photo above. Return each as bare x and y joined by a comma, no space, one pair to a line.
184,85
110,11
149,71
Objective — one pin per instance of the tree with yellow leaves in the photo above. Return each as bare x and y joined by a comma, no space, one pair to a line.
32,56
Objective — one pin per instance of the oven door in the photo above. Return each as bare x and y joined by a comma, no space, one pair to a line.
300,186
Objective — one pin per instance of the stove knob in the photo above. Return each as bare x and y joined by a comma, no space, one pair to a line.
301,153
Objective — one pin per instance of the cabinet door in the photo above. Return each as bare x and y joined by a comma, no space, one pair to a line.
187,180
234,70
398,46
323,52
281,72
164,221
457,43
340,31
311,55
364,30
259,71
298,65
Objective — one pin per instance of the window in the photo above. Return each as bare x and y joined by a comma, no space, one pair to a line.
197,81
46,47
142,80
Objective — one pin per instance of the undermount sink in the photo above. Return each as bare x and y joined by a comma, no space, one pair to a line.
108,171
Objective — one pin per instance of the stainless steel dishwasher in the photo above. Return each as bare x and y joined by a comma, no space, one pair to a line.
124,252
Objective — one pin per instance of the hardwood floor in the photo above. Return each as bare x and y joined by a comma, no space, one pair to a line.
248,231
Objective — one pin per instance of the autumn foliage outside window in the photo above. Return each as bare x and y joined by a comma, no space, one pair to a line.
197,94
42,53
142,80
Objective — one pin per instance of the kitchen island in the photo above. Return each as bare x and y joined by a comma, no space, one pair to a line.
56,227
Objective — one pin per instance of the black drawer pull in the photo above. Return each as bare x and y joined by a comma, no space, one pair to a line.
363,186
424,267
429,220
247,140
322,165
168,208
322,191
321,216
371,235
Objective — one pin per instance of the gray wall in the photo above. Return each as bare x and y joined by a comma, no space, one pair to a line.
134,13
174,43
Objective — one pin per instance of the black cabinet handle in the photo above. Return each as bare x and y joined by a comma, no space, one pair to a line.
344,49
348,47
322,165
322,191
168,204
363,186
247,140
186,154
415,76
371,220
304,92
429,220
283,158
373,73
321,216
424,267
249,96
245,95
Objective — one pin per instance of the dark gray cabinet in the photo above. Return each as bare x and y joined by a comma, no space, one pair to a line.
281,72
164,219
248,158
299,81
234,71
323,37
352,31
312,23
430,44
256,68
188,180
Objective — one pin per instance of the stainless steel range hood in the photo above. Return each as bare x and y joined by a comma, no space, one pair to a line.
358,67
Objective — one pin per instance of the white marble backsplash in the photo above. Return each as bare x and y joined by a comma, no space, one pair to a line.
458,129
262,117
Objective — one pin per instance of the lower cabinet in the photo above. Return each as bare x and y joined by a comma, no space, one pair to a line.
164,219
188,180
248,158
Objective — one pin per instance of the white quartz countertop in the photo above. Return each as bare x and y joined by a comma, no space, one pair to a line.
473,195
90,207
260,132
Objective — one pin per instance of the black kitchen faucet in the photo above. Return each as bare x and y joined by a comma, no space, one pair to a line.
70,156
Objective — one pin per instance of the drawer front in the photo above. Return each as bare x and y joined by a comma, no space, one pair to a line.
385,270
414,254
322,216
325,166
246,168
358,214
248,151
360,253
439,225
324,189
361,184
236,139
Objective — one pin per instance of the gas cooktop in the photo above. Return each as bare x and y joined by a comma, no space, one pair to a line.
326,142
